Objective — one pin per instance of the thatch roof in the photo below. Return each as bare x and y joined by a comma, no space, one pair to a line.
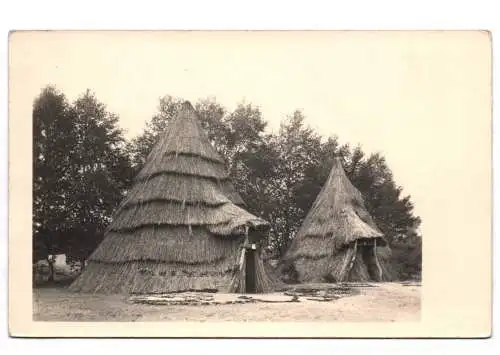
181,220
337,219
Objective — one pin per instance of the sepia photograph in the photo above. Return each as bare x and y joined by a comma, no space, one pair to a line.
282,177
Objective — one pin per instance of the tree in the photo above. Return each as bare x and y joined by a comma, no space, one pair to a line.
80,170
249,159
101,173
407,254
53,142
295,151
392,212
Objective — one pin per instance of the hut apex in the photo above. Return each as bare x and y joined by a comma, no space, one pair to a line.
188,110
187,106
181,227
338,240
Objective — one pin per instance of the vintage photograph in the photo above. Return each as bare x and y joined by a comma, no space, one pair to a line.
215,209
221,176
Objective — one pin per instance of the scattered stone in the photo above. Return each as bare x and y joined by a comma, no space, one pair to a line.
245,297
320,293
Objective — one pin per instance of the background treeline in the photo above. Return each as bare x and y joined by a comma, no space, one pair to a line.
83,166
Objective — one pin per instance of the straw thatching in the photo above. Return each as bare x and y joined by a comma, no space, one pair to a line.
338,240
181,227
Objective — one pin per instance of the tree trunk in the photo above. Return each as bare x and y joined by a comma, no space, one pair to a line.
82,264
51,269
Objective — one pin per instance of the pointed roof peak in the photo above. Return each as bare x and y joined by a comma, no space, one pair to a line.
337,167
339,209
337,162
186,112
187,107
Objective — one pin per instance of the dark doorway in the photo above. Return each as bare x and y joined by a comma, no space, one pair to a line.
368,252
250,281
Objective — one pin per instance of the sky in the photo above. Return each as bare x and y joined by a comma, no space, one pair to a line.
421,99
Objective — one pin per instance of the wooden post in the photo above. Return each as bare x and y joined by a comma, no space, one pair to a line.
242,258
353,256
51,259
245,244
345,264
380,273
243,269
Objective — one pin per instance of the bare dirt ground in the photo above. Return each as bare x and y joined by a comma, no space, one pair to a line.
383,302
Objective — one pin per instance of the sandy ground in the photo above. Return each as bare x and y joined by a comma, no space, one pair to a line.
388,302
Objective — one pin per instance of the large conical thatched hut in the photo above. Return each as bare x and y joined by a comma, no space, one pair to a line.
181,227
338,240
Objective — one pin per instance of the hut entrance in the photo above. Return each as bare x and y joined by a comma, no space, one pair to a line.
250,281
370,259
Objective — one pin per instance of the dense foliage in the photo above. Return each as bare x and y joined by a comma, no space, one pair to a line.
80,170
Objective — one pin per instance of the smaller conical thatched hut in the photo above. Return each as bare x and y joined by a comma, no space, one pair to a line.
338,240
181,227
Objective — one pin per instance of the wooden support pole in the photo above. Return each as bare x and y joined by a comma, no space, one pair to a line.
380,273
242,258
353,256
